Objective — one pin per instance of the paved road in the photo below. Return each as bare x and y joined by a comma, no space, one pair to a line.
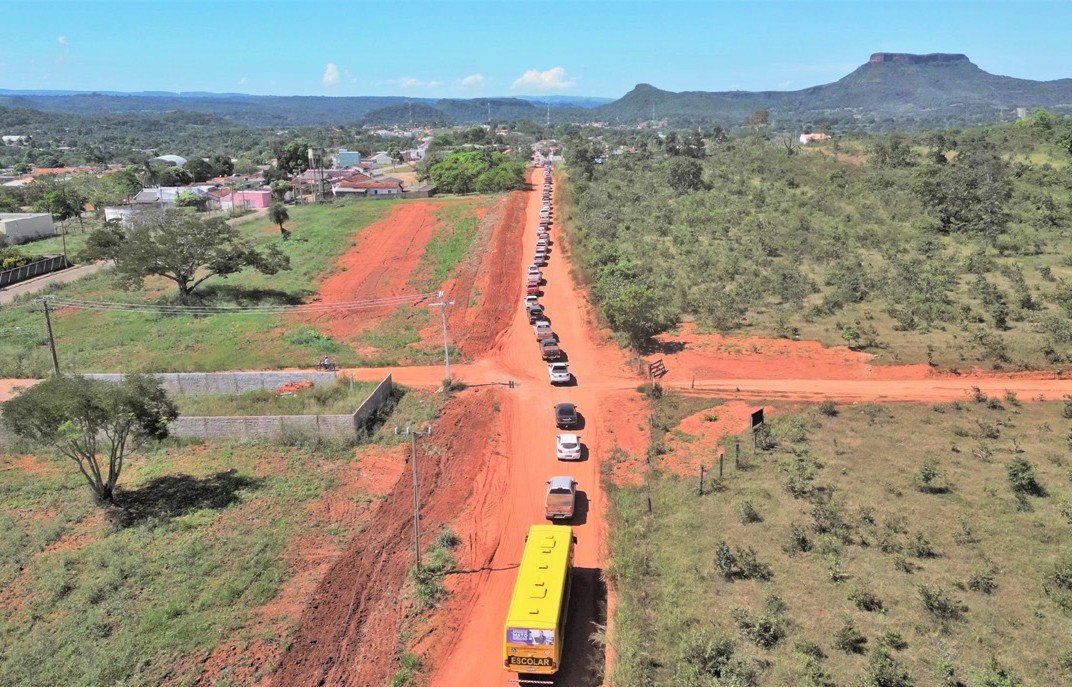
66,276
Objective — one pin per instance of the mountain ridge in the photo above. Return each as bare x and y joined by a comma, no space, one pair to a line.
889,90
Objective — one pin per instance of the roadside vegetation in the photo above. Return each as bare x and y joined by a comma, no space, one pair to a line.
469,171
141,592
943,247
339,398
842,553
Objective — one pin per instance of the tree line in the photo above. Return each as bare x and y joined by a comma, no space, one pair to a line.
957,230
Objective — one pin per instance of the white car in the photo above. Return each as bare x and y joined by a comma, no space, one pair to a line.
535,273
558,373
568,447
532,300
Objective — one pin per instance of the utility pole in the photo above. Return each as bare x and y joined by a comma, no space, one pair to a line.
446,347
416,491
51,338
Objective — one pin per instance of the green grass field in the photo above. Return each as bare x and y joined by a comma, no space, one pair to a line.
875,545
90,341
142,596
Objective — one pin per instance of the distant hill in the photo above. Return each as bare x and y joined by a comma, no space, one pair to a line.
891,90
566,100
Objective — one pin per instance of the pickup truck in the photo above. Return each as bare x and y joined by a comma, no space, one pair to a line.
542,330
561,498
549,349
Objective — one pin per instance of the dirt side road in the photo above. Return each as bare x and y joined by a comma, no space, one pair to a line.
384,258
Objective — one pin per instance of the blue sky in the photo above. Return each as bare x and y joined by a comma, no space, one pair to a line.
468,49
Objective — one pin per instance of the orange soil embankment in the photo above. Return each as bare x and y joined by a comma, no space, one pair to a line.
349,629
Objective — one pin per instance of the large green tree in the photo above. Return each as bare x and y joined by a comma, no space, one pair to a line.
187,249
477,170
93,423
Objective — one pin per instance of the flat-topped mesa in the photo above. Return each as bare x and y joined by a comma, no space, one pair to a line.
906,58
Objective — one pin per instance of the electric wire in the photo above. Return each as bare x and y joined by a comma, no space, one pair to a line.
309,308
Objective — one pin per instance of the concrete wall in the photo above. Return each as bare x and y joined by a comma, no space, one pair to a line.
209,383
273,425
260,426
21,227
238,427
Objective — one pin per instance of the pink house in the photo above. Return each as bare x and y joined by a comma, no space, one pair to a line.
255,200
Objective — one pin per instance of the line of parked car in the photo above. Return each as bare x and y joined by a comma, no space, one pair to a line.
561,496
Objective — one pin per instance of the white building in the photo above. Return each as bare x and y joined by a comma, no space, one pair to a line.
20,227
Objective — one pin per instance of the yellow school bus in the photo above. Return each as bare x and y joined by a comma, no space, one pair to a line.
536,622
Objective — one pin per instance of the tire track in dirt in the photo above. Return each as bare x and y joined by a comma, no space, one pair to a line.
476,329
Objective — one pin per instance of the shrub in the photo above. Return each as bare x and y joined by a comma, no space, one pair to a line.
750,567
893,640
828,408
749,514
865,599
1064,662
828,517
883,670
995,675
849,639
798,541
966,533
919,546
811,649
928,479
708,653
942,605
1058,583
1022,477
1065,509
982,581
725,561
743,564
764,631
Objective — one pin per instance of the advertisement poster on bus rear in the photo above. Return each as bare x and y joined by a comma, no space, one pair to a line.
519,635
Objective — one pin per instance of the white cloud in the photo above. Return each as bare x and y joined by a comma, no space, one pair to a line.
434,84
552,79
473,80
64,49
784,84
242,81
405,82
331,75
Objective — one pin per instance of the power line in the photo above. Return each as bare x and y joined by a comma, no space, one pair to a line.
309,308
